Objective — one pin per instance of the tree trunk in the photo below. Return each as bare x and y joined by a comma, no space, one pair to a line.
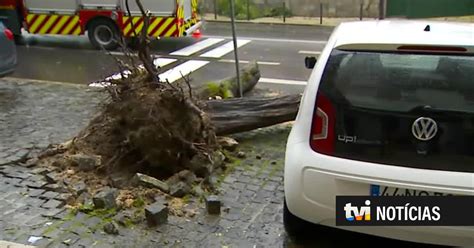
229,87
244,114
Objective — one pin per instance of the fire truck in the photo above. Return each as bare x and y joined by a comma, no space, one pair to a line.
104,20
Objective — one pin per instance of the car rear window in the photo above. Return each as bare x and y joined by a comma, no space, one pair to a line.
399,81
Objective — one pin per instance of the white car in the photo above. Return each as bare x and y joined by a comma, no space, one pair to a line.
388,110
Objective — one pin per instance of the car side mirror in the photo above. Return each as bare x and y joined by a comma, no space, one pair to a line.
310,62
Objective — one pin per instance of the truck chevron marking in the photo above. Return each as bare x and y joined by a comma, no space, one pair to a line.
53,24
159,26
104,20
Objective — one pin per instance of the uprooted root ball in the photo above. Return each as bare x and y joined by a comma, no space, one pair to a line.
147,124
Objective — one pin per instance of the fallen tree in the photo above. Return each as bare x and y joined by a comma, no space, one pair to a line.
149,127
244,114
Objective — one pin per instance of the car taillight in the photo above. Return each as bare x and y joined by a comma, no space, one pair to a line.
9,34
322,131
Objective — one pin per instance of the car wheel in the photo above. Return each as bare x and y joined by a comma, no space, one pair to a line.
103,34
294,226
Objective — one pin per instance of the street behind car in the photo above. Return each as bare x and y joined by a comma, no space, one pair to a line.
8,57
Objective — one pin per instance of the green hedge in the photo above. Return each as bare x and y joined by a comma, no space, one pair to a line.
429,8
253,10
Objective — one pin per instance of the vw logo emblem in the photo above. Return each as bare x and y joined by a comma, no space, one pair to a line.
424,128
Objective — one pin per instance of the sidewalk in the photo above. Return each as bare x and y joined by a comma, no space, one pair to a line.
315,21
6,244
295,20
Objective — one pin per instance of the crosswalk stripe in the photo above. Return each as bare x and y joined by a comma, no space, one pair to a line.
224,49
159,62
281,81
310,52
248,62
182,70
189,50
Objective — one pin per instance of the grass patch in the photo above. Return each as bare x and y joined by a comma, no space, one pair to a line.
215,89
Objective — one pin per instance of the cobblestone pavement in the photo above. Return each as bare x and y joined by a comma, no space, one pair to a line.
36,114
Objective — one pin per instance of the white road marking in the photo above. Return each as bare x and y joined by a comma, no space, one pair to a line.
159,62
310,52
122,53
163,61
224,49
248,62
322,42
184,69
192,49
281,81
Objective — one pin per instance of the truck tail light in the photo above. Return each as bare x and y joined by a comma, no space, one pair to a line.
9,34
322,138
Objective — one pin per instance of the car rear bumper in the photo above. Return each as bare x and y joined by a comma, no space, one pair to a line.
312,182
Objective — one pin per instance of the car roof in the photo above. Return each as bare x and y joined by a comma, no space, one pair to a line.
404,32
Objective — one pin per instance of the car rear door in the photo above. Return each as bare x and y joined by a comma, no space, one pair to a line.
402,109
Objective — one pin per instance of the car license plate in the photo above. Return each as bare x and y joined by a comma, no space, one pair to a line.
379,190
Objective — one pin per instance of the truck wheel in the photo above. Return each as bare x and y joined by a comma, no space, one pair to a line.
103,33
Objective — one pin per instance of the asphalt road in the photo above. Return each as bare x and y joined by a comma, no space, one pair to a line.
280,50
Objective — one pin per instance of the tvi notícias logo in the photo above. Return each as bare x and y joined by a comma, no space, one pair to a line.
404,211
392,213
358,214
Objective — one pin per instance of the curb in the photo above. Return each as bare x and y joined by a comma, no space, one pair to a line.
40,81
272,23
7,244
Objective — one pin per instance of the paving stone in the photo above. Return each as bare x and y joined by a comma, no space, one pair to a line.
44,242
80,230
118,180
52,177
213,205
69,238
105,198
238,185
48,195
35,184
35,192
92,222
79,187
148,181
37,220
156,214
111,228
40,170
13,181
52,204
64,197
230,179
53,234
33,201
270,187
52,213
253,188
85,242
227,143
180,189
85,162
55,188
241,154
